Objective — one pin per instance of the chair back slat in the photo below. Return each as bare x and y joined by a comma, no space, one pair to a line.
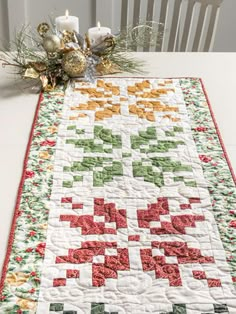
174,25
150,10
199,28
187,25
136,15
211,29
162,20
124,15
149,18
136,18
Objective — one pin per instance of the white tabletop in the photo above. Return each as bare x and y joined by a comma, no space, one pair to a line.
17,107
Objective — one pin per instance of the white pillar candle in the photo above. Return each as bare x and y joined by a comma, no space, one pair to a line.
97,34
67,23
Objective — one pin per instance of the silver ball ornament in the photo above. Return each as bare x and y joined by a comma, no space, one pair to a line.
51,43
74,63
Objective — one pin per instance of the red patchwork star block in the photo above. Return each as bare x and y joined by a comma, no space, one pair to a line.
86,253
145,216
87,223
177,224
161,268
184,254
110,267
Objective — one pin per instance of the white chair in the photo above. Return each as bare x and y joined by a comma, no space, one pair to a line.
188,25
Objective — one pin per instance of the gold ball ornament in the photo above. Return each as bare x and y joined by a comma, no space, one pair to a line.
51,43
74,63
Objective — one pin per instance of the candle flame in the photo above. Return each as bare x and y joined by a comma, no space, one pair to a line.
67,13
98,25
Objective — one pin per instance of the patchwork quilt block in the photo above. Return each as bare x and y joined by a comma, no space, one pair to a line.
127,204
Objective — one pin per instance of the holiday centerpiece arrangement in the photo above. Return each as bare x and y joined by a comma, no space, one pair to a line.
58,52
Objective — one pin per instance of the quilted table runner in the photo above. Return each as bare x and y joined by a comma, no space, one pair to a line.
127,204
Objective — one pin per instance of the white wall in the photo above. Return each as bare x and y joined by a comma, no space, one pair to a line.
17,13
225,40
89,11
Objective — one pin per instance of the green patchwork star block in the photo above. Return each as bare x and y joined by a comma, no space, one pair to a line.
145,137
90,144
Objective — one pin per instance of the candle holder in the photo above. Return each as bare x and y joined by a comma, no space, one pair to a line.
54,57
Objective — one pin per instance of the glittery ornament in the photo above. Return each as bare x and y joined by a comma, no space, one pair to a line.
68,37
74,63
42,29
51,43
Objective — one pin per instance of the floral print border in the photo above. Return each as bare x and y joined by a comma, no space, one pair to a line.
215,166
22,281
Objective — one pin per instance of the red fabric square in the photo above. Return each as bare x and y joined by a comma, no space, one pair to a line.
185,206
72,273
66,200
198,274
77,206
59,282
134,237
194,200
213,282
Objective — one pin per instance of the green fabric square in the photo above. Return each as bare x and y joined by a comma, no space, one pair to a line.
178,129
108,150
191,183
70,141
79,131
125,155
220,308
169,133
97,308
77,178
179,309
67,184
71,127
56,307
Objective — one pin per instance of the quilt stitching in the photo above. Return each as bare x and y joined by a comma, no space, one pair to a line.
131,200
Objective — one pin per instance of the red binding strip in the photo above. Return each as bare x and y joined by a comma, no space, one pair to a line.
218,132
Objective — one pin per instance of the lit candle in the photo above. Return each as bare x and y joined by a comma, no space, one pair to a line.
67,23
97,34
